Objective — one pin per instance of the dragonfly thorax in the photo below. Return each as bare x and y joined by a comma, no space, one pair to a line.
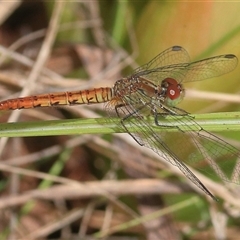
130,85
172,91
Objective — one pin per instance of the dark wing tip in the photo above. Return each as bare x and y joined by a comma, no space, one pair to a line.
177,48
230,56
233,59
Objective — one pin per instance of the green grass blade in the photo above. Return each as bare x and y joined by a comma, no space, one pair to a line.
227,121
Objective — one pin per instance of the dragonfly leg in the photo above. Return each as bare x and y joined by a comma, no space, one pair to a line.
127,117
158,123
173,111
180,111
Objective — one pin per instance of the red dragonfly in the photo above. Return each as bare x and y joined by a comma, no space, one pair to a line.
155,89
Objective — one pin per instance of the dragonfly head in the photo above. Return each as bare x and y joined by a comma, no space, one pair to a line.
172,91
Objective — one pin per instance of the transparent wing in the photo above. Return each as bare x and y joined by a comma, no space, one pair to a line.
210,67
187,72
189,144
171,56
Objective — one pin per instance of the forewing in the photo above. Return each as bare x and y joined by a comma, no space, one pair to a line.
171,56
210,67
190,72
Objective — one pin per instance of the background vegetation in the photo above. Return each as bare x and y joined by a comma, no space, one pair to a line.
90,186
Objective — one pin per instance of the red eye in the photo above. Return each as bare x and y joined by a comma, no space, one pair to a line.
173,88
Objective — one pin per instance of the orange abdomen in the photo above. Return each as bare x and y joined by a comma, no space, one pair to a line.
96,95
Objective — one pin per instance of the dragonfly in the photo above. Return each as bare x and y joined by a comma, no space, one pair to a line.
155,89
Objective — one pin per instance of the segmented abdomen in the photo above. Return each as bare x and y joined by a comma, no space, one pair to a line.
96,95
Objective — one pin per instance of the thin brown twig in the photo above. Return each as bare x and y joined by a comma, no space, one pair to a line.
94,189
41,59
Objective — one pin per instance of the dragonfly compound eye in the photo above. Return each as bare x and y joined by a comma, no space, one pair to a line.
173,89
